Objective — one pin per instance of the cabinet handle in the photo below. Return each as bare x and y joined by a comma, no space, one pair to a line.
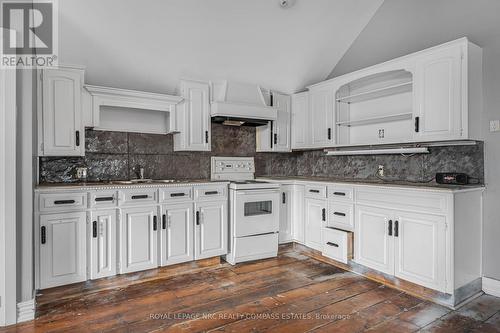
339,214
164,221
104,199
396,228
275,138
155,223
197,218
283,195
314,191
390,227
323,214
43,235
206,136
142,196
332,244
329,134
177,194
271,132
94,229
339,193
417,124
211,192
77,138
63,202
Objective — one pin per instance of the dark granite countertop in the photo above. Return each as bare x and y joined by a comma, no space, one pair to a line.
375,182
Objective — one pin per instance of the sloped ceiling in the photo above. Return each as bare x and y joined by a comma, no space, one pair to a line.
149,45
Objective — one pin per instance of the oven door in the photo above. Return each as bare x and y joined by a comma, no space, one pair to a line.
256,212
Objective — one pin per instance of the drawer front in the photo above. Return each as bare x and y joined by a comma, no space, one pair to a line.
407,200
341,193
210,192
336,244
103,199
176,194
341,215
315,191
62,201
138,196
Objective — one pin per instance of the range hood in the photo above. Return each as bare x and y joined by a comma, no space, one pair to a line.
240,104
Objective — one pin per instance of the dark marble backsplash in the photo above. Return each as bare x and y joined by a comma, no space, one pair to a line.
114,155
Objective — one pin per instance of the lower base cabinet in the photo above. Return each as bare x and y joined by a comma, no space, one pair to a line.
177,234
62,249
211,237
286,214
315,217
102,243
138,239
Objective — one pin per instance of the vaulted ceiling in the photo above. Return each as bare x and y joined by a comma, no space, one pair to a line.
149,45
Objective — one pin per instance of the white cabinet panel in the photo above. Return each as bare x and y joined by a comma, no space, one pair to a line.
102,239
301,129
193,117
420,249
275,137
62,249
321,116
211,237
374,244
138,239
177,237
315,218
286,214
438,94
61,117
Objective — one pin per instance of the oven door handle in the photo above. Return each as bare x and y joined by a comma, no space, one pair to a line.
257,192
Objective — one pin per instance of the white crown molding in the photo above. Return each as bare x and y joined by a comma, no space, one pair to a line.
26,311
491,286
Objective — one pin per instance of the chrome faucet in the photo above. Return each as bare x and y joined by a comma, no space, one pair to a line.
139,172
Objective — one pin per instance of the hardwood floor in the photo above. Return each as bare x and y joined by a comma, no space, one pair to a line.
290,293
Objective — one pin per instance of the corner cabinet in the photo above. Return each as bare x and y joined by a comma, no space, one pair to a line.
276,136
60,124
193,117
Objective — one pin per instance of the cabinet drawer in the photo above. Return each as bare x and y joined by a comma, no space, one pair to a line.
176,194
210,192
315,191
138,196
103,199
62,201
337,244
341,192
341,215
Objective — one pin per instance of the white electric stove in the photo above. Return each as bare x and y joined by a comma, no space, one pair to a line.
253,210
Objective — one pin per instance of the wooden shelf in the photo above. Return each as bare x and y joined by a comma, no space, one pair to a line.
377,93
377,120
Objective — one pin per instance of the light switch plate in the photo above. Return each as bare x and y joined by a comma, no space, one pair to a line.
494,125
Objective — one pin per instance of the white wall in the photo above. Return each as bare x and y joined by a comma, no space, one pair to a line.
403,26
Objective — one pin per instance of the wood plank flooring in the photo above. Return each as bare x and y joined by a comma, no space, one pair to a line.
290,293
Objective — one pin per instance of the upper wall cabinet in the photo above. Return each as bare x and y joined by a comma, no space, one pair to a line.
193,117
60,126
301,129
276,136
321,116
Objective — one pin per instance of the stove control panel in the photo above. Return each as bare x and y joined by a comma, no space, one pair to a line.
232,168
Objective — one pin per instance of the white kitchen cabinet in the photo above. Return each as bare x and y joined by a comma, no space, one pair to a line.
321,112
193,117
301,128
315,218
102,243
61,131
276,137
62,249
298,227
439,93
138,239
286,214
211,234
177,234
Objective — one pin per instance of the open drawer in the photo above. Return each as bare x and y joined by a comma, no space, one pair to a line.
337,244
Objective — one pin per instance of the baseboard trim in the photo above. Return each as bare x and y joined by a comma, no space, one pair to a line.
491,286
26,311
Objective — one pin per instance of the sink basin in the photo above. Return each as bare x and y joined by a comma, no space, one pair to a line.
165,180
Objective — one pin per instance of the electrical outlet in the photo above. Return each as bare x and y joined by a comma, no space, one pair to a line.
380,171
494,125
81,173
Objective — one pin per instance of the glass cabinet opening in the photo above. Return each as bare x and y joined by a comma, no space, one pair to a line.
258,208
375,109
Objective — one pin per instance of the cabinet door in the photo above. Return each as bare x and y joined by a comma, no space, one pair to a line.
301,134
315,219
298,224
102,236
62,126
321,115
138,239
420,249
281,128
438,95
177,243
285,233
211,229
62,249
374,244
194,113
